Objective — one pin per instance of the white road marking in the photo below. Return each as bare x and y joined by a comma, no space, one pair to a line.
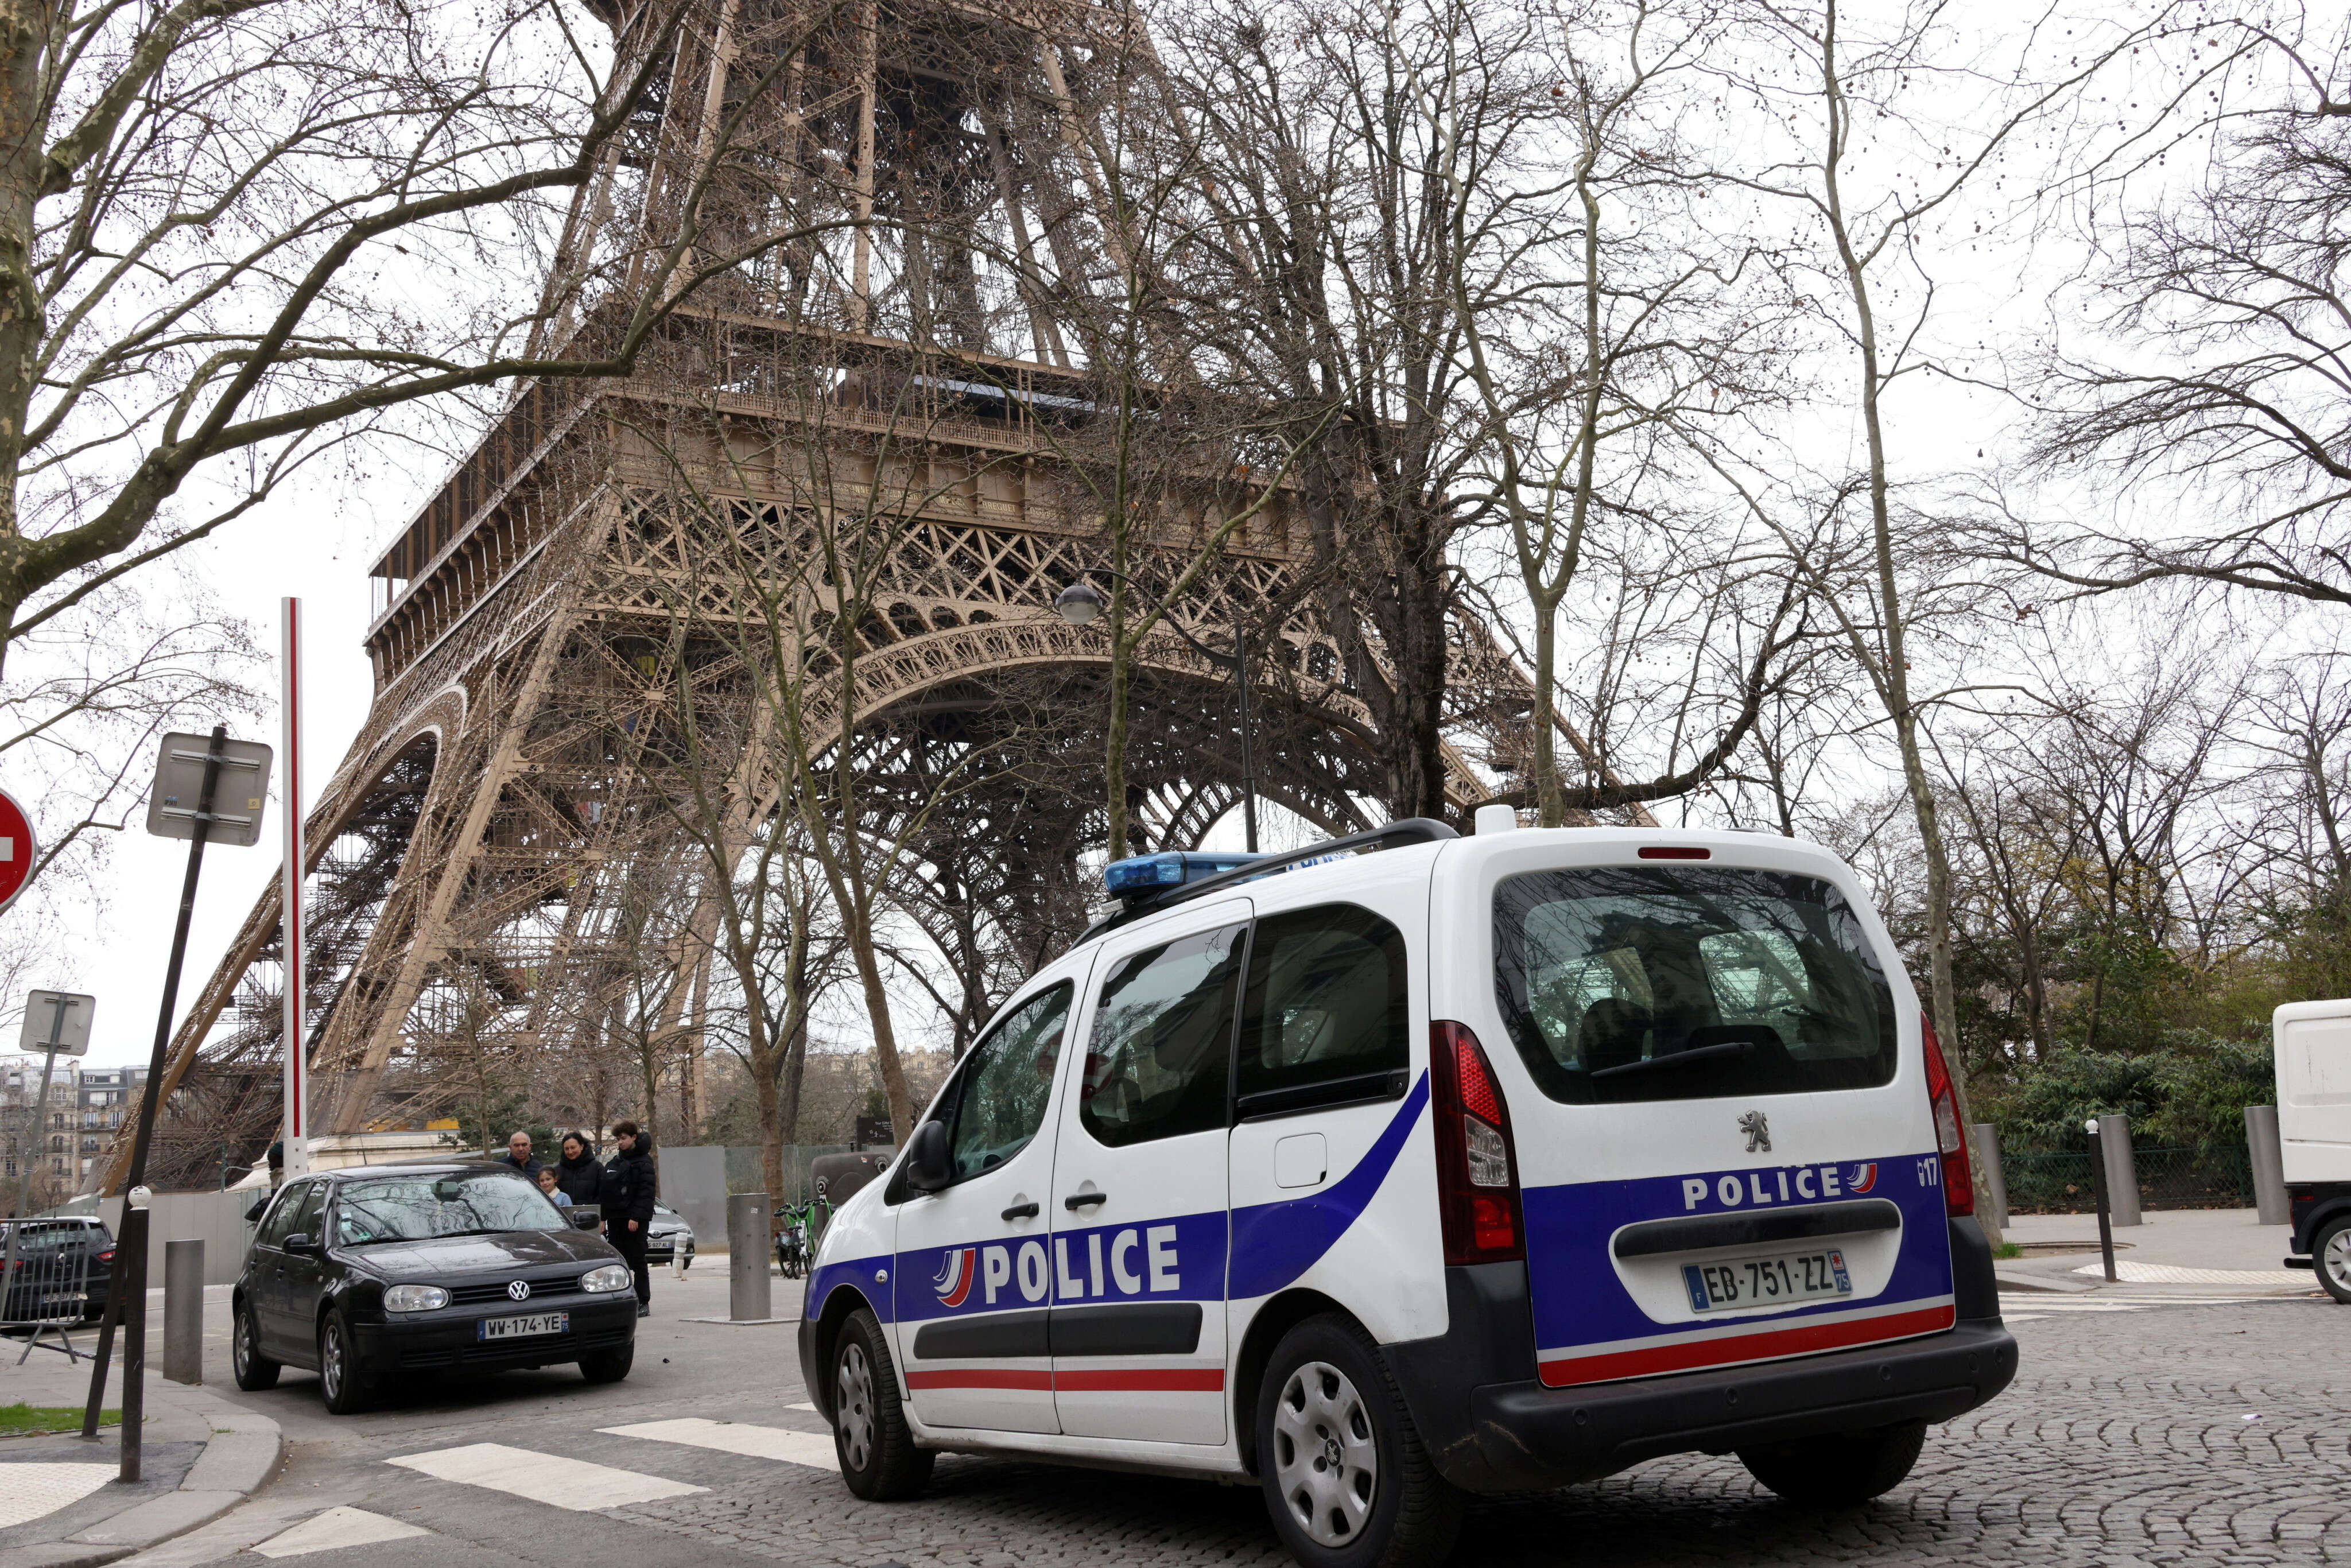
574,1484
336,1528
810,1408
2136,1273
33,1489
739,1438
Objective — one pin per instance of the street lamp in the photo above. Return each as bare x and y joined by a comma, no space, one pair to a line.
1082,604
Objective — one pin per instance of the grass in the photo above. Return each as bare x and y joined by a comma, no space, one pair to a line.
32,1420
2008,1250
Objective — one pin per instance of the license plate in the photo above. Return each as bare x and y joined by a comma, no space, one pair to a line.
524,1327
1784,1277
63,1298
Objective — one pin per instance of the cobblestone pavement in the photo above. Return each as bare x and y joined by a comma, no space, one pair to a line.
2138,1432
2183,1434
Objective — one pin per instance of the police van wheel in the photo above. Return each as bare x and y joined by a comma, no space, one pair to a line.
2330,1254
1838,1471
878,1456
1345,1476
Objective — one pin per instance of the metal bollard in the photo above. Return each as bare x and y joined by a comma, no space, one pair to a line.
183,1310
747,1258
2122,1175
1983,1141
2268,1163
2098,1189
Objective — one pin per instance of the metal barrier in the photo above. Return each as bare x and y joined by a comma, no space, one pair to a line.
48,1267
2216,1177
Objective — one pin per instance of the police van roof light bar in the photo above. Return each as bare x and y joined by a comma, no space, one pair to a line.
1146,900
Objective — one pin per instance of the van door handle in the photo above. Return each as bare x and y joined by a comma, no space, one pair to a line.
1078,1200
1022,1210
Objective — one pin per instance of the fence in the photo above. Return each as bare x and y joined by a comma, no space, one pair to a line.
45,1272
2221,1177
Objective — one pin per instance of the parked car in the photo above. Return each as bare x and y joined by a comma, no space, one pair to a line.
376,1273
2312,1052
1468,1165
55,1256
668,1232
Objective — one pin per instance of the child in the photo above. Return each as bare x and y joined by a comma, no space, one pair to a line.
547,1184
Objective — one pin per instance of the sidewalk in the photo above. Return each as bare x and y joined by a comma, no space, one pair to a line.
61,1505
2188,1250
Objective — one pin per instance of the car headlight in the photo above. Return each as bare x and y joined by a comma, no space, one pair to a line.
415,1299
611,1277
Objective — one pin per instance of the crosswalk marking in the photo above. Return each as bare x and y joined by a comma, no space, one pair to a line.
334,1529
739,1437
2131,1271
2037,1307
575,1484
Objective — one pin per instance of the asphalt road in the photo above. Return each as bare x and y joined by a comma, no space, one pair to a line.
2141,1430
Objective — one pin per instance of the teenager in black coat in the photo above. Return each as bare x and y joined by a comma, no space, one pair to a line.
626,1193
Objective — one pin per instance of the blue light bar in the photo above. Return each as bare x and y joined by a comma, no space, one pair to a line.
1139,876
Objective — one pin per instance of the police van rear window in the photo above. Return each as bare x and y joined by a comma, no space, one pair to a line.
1631,983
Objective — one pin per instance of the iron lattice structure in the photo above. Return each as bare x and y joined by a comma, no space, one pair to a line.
906,351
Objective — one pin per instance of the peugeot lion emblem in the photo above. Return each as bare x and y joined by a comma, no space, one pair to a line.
520,1289
1757,1131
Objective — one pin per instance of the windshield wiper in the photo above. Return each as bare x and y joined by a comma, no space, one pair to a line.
435,1236
1715,1052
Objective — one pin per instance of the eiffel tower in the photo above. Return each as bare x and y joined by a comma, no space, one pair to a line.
924,199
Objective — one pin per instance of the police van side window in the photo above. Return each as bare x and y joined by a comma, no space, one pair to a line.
1159,1062
1325,1000
1007,1081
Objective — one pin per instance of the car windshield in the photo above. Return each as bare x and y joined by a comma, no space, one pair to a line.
1625,983
421,1207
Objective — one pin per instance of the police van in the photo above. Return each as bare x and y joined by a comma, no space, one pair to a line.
1412,1165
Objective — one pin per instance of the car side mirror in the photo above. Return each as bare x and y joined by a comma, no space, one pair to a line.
302,1244
260,1206
926,1158
588,1221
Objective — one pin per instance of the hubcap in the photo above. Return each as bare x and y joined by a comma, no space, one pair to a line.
240,1345
853,1394
2337,1260
1325,1454
330,1361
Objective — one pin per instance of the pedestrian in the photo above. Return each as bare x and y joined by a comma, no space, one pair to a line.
547,1184
517,1154
626,1194
576,1170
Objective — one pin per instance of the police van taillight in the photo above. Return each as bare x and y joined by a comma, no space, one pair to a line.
1477,1165
1950,1138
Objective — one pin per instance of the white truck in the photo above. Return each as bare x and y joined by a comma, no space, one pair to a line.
2313,1089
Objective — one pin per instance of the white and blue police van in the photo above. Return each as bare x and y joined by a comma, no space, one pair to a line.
1412,1165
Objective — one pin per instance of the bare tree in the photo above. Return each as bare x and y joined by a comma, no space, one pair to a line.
2219,329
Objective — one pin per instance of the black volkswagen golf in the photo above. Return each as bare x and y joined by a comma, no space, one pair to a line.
378,1272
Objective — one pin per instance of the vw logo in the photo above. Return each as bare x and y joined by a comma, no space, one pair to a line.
520,1289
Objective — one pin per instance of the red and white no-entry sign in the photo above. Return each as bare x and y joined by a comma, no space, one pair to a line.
18,850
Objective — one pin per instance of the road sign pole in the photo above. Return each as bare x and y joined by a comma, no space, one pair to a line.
296,1129
126,1301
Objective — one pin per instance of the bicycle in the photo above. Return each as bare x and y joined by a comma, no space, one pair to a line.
796,1242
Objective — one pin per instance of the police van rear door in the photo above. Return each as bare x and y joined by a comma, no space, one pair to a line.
1713,1070
1139,1196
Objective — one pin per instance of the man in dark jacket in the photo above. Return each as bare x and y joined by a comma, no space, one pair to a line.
577,1171
626,1194
517,1154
